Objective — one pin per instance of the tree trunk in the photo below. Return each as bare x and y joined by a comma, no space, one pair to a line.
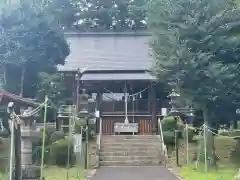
235,123
211,155
22,81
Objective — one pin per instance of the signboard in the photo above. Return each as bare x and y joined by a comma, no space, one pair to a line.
164,111
126,127
77,143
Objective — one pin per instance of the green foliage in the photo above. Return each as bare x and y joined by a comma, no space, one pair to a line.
169,138
59,152
194,45
79,124
225,133
116,15
37,146
30,43
51,85
191,132
4,133
169,123
64,12
58,135
235,133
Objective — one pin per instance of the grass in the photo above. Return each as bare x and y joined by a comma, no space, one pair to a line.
57,173
74,173
223,173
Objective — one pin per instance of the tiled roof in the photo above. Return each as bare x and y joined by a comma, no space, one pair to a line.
107,52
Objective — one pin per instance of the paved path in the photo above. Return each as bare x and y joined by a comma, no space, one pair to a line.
133,173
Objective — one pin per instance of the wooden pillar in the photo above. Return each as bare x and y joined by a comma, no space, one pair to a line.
98,108
153,107
149,98
75,89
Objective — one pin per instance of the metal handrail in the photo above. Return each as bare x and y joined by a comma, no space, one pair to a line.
164,147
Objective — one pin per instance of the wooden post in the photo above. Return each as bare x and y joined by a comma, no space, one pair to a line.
152,104
98,108
176,147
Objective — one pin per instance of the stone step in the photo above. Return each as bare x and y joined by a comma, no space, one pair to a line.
130,137
153,144
121,141
131,163
130,153
130,158
129,148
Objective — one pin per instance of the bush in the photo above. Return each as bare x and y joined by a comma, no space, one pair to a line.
4,134
235,133
191,133
169,137
50,131
59,152
82,123
78,124
225,133
57,136
37,146
169,123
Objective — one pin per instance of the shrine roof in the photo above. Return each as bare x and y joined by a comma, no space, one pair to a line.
107,52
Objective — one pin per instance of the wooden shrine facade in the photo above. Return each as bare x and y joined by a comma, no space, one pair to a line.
108,65
145,109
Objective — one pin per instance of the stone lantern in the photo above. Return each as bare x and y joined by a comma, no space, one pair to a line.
186,113
28,136
174,98
83,104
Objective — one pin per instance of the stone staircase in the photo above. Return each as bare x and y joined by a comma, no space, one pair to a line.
130,150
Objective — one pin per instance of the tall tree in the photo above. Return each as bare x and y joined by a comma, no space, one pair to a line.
30,43
197,51
64,12
108,15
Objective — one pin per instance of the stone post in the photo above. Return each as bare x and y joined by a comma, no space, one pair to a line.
28,135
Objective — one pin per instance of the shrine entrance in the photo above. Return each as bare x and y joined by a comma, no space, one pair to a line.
126,105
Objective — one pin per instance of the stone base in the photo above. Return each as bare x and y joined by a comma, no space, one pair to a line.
30,173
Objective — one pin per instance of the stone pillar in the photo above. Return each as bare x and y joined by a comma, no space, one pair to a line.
28,135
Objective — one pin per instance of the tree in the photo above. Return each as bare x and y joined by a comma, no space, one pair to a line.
53,86
64,12
196,50
118,15
30,43
95,15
